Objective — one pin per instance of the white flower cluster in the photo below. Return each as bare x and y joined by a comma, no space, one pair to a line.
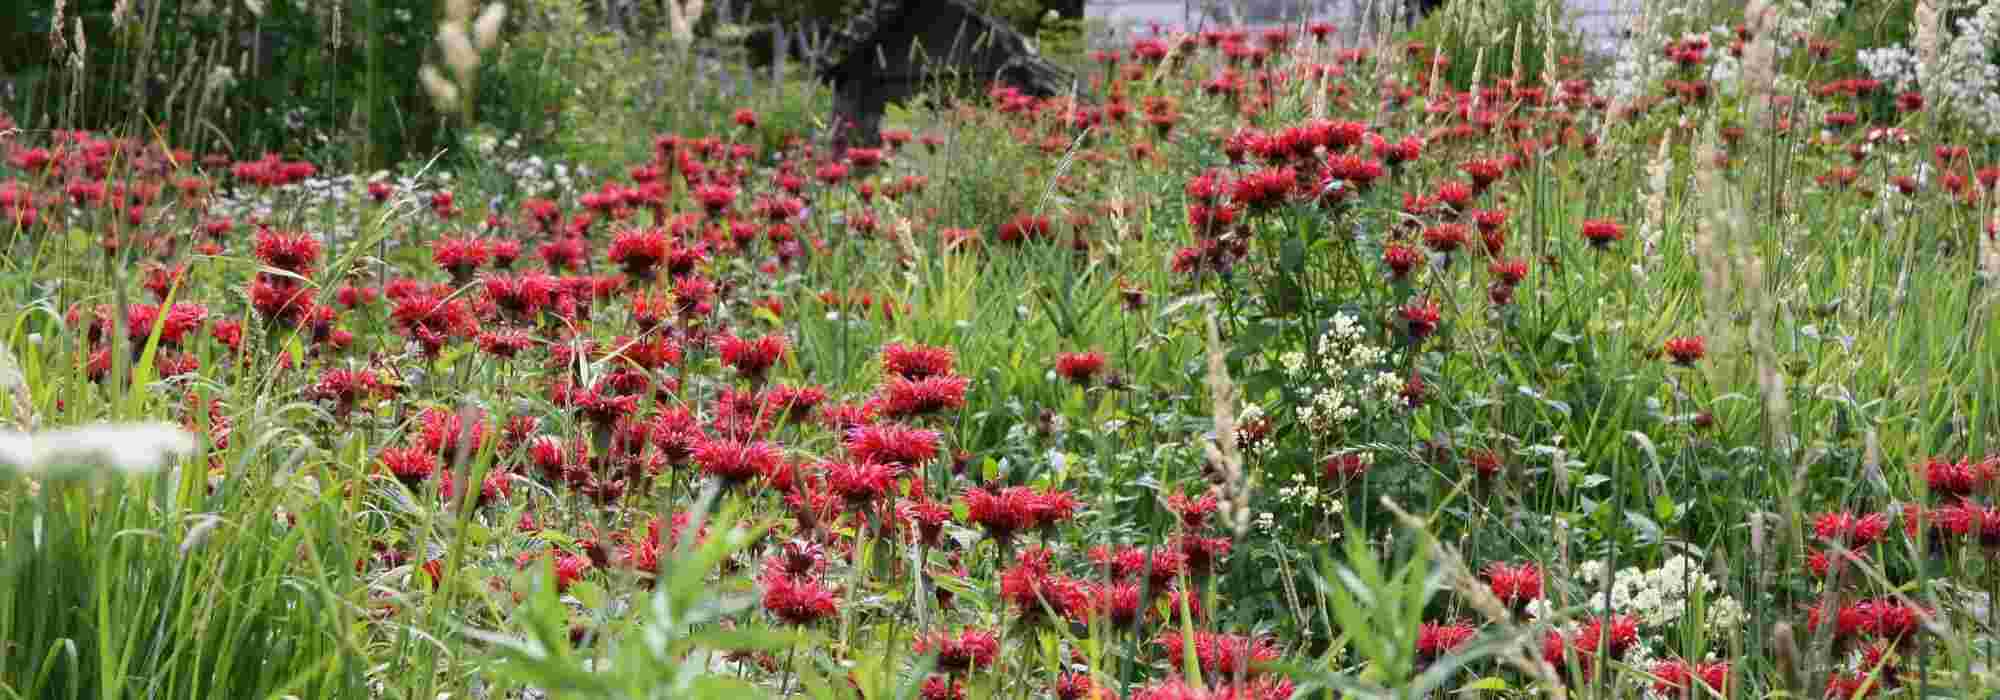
1305,494
1967,83
1346,375
1894,65
1660,596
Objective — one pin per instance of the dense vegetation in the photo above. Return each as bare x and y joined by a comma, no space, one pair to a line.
1266,366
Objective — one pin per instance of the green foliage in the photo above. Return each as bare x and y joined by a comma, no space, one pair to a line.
1487,35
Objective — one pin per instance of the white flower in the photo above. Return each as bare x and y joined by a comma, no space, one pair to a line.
126,447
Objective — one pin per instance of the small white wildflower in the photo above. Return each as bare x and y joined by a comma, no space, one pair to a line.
126,447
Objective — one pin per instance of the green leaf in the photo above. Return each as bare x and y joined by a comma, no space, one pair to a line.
1493,684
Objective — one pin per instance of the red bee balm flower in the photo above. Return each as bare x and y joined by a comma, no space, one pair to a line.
1400,259
459,256
916,361
969,650
291,252
902,398
1435,640
1421,317
891,443
1686,350
1514,585
797,601
410,465
1445,238
1601,233
639,251
1079,367
736,462
752,357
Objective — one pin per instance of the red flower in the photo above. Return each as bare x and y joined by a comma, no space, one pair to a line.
1029,585
927,516
1514,585
1456,195
751,358
796,601
859,483
1076,686
1012,509
1685,350
735,462
1846,528
1486,462
1079,367
1445,238
1435,639
1194,512
1601,233
941,688
1961,478
1400,259
639,250
970,650
715,198
410,465
916,361
1677,676
459,256
1421,317
280,298
291,252
571,568
893,444
1345,466
746,118
345,387
1220,654
902,398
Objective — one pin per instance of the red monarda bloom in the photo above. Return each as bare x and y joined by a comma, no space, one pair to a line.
1079,367
735,462
1437,639
1685,350
1455,194
1961,478
797,601
1514,585
746,118
1012,509
859,483
905,398
291,252
1677,677
1029,585
459,256
345,387
1846,528
571,568
1401,259
715,198
1420,317
891,443
1220,654
916,361
1508,272
410,465
1446,238
639,251
971,649
1601,233
752,357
